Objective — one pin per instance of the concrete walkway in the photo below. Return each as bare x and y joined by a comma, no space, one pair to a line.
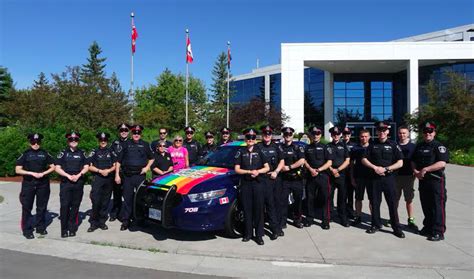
339,252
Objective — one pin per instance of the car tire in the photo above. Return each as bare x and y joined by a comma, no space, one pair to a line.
234,221
138,212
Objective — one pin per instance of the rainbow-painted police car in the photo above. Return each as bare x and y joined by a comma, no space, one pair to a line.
201,198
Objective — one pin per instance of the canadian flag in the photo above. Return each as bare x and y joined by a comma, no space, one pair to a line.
134,37
189,51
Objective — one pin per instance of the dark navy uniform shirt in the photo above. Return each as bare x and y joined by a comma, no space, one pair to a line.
207,148
383,154
317,154
272,152
35,161
360,171
340,153
250,160
103,158
135,155
429,153
194,150
118,144
72,161
292,153
407,150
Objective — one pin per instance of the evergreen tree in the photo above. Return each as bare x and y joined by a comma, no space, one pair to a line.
218,105
93,72
6,83
41,82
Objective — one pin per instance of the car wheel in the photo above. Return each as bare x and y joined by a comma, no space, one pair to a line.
138,210
234,223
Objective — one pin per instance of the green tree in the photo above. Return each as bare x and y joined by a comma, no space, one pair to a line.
254,114
94,71
6,86
218,104
451,108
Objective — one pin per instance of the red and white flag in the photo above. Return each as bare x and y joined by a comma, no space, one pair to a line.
134,37
189,51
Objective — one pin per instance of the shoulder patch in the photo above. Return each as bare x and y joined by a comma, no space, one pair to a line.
399,148
60,155
21,155
329,150
237,155
91,154
442,149
301,148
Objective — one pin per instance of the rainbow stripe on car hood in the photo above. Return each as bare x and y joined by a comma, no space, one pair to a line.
186,179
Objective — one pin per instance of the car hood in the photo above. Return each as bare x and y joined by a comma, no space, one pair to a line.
186,179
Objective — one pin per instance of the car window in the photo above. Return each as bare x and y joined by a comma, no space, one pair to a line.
223,157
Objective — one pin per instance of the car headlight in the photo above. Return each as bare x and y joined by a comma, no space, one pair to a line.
205,196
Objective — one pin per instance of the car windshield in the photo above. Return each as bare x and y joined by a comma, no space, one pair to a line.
223,157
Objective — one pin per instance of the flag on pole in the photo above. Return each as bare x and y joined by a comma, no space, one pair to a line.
134,36
189,51
229,57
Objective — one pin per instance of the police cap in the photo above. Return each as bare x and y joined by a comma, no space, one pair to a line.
315,130
123,126
429,127
382,125
266,129
346,131
287,130
73,135
250,131
225,130
189,129
209,134
102,136
335,130
136,128
35,137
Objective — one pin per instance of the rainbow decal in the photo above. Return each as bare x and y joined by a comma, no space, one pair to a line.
235,143
186,179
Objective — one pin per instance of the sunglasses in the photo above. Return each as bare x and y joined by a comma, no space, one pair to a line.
315,133
267,134
346,133
287,134
250,137
209,137
103,140
225,133
33,142
73,139
161,145
428,131
189,133
137,132
382,129
123,130
163,133
179,140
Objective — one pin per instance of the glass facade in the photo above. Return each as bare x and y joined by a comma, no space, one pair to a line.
275,91
349,100
313,97
381,105
247,89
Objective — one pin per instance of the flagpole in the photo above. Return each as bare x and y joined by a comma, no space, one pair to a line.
187,76
228,77
131,95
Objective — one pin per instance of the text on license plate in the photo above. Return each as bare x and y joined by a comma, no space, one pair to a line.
154,214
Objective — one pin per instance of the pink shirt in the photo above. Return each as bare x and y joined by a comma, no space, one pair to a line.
178,156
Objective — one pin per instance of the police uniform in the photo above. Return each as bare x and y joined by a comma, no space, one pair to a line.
432,187
273,187
162,161
223,131
70,193
102,159
292,181
117,147
193,147
340,154
350,189
207,148
316,155
34,161
384,154
133,158
252,189
361,173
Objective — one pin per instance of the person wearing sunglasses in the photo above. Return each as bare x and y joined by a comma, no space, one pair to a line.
384,157
318,160
35,165
179,154
117,146
71,164
225,136
250,164
428,164
273,189
135,161
163,163
210,146
162,134
102,162
346,139
337,173
193,146
292,178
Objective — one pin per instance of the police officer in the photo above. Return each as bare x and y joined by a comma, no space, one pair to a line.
225,136
193,147
273,188
318,160
102,165
135,160
163,163
360,174
162,134
340,162
72,165
35,164
251,164
117,147
210,146
292,177
346,139
384,157
429,162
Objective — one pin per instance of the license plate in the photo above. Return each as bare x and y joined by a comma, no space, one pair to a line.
154,214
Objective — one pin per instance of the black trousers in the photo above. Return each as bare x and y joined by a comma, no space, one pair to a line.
350,195
130,184
385,185
433,196
252,200
270,203
117,198
319,189
29,190
100,197
339,183
70,198
296,188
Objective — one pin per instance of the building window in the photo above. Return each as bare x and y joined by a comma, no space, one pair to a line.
313,97
247,89
349,101
275,91
381,100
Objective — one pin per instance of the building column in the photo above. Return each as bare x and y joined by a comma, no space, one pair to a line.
412,89
328,103
292,90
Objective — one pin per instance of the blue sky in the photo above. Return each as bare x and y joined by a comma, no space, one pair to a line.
46,35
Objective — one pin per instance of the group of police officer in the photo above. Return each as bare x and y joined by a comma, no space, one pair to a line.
273,176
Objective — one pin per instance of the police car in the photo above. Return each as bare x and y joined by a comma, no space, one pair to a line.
200,198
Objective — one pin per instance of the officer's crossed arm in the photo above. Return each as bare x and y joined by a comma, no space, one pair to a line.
103,172
295,165
378,170
278,169
19,170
